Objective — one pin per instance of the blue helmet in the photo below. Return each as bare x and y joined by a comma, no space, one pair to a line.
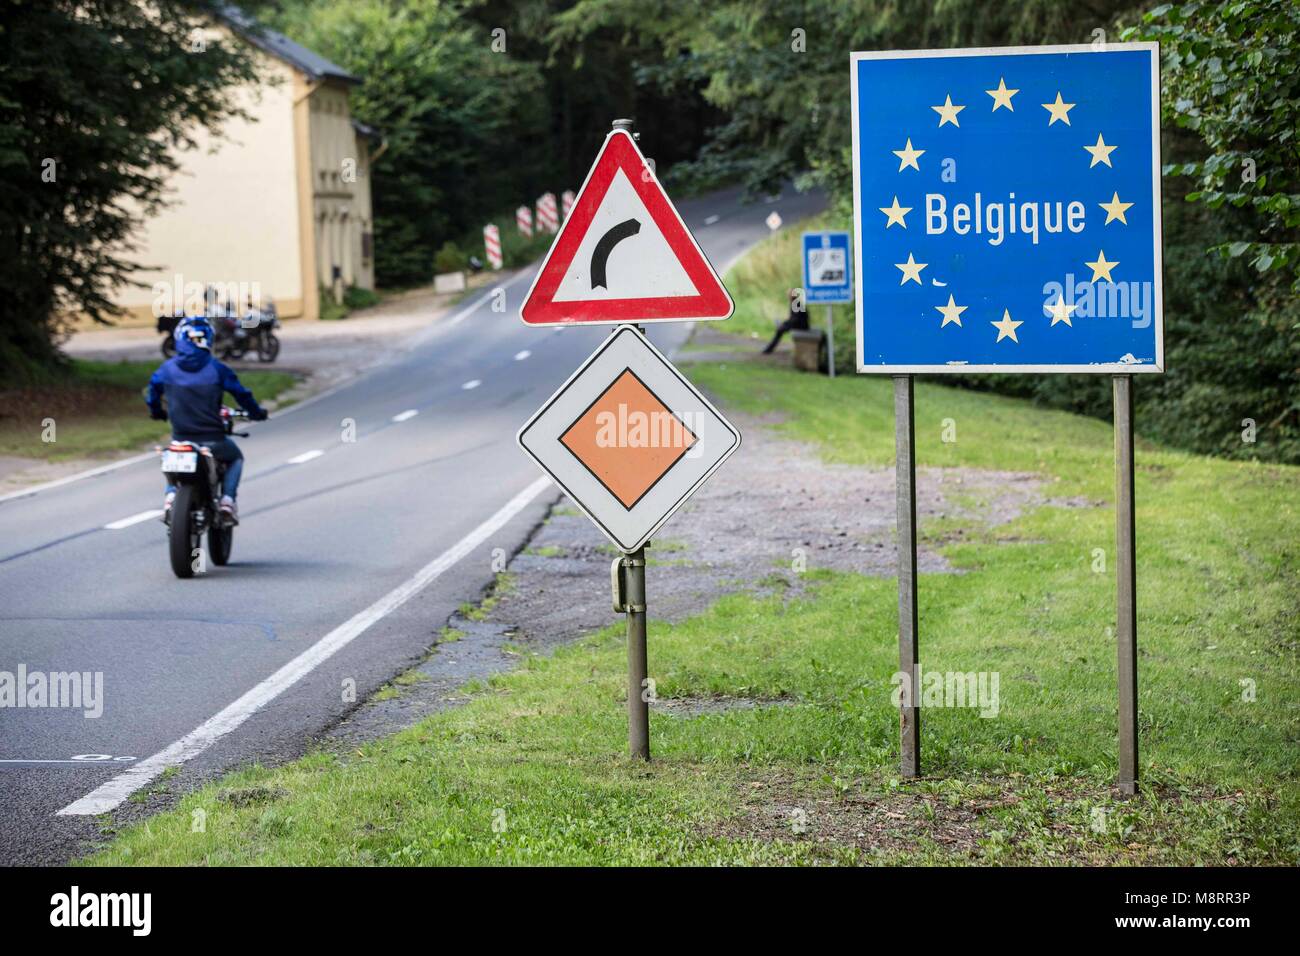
196,331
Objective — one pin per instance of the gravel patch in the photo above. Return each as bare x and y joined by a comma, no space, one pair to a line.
813,515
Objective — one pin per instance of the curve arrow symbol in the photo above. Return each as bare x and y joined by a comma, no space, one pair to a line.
600,255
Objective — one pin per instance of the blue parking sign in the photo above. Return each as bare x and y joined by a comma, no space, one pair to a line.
827,267
1007,209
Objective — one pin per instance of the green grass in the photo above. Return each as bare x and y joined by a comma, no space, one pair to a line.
96,409
531,770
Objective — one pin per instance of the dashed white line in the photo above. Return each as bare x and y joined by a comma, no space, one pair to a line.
134,519
403,416
522,354
306,456
110,794
711,220
472,383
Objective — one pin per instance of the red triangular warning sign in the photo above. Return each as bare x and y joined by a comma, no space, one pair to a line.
624,254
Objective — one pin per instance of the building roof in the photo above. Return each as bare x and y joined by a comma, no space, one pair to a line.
280,46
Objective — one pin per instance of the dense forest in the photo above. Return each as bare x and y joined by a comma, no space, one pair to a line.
485,105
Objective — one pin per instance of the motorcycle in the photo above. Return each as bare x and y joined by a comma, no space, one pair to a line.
257,331
232,336
196,509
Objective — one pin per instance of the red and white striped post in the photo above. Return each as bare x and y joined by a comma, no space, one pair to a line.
547,213
524,220
567,199
492,244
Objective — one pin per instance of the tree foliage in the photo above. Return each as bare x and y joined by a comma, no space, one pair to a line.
1231,77
95,96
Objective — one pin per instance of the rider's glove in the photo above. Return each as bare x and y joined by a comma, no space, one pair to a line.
157,414
258,416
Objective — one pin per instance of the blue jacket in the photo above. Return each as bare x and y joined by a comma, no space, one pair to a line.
194,384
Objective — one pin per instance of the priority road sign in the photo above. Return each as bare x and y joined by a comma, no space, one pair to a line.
1007,208
624,254
827,273
628,438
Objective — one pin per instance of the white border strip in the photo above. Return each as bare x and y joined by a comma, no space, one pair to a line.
111,794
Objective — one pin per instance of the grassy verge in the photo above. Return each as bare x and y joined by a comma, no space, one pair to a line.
531,770
96,409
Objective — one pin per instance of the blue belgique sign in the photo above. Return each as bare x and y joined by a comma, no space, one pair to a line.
827,267
1007,210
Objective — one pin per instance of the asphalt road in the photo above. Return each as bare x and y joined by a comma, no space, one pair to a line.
249,662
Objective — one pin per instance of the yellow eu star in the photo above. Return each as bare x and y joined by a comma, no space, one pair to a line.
1101,267
1115,210
948,112
1059,110
911,270
951,312
1007,328
907,156
1061,311
895,214
1100,153
1002,96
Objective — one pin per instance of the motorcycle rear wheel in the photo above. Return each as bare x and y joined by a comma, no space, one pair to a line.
168,346
220,541
268,347
182,540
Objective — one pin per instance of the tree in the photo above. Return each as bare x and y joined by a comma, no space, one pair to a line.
1230,76
95,97
778,69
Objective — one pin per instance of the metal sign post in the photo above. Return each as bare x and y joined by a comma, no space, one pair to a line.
1126,586
909,713
830,342
638,667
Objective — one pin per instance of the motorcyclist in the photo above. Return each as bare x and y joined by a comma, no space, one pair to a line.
194,384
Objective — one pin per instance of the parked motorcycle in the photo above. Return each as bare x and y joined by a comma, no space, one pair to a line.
257,328
233,336
196,509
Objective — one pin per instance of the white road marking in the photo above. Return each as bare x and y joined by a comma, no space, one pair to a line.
134,519
472,383
86,762
92,473
711,220
306,456
403,416
110,795
522,354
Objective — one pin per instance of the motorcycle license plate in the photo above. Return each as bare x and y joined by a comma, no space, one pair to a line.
180,462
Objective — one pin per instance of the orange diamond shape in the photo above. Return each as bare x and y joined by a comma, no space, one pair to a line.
628,439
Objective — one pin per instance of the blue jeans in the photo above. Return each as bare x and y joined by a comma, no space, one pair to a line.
225,450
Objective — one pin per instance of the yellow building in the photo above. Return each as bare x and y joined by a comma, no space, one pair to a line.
276,206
